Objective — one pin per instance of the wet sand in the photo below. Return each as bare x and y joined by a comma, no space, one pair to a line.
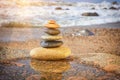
99,52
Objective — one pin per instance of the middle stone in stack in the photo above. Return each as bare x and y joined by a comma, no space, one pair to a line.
52,37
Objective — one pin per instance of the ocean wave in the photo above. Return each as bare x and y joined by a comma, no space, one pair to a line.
69,13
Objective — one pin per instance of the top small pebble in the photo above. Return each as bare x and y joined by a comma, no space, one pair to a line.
52,24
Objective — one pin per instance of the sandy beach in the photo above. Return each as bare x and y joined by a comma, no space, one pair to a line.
90,31
106,38
94,55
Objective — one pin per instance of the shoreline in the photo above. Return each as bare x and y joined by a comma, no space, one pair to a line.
106,25
24,34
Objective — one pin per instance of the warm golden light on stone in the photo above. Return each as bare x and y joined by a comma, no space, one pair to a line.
50,53
52,24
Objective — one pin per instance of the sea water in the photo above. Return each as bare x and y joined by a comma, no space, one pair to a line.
70,15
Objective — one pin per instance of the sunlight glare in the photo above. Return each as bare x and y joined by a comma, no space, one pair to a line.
22,3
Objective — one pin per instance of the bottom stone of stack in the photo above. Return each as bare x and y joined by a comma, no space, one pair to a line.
50,53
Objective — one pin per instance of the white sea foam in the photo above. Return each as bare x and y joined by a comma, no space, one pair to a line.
39,15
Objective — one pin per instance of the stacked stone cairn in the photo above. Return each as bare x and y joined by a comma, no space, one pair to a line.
51,45
52,39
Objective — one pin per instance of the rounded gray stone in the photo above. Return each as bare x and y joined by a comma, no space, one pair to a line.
51,44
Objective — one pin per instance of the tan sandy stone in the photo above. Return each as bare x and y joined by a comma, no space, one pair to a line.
49,38
50,53
52,24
